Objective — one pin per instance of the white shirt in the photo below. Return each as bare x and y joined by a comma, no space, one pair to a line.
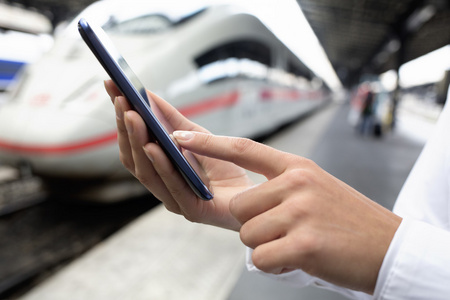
417,263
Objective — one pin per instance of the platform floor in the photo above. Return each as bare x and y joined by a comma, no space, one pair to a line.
162,256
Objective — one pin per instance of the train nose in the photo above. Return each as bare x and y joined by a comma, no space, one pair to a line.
57,141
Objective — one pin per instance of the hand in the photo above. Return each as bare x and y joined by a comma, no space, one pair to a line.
148,163
302,217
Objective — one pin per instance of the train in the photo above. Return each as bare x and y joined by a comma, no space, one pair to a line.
219,65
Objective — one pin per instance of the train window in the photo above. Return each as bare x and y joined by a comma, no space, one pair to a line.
232,68
147,24
245,49
190,16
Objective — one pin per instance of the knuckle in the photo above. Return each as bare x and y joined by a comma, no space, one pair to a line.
208,141
261,261
310,245
121,129
302,162
296,177
142,177
239,208
296,209
191,216
146,176
302,176
307,162
258,260
246,236
176,192
241,145
172,208
166,173
127,162
308,248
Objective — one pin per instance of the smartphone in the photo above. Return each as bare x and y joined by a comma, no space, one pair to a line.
130,86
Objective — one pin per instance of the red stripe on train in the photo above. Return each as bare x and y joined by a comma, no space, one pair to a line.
60,149
279,94
210,104
202,107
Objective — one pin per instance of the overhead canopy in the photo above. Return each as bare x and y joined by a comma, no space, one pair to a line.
359,36
56,10
373,36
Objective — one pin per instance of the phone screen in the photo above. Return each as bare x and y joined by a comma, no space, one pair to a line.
132,88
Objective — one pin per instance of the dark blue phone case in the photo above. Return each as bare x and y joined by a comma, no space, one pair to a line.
133,90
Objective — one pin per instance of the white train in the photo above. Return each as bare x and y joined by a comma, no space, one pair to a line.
219,65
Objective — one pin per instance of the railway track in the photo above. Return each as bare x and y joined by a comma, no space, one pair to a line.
40,233
18,192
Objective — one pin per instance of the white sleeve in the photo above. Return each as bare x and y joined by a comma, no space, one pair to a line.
416,265
425,196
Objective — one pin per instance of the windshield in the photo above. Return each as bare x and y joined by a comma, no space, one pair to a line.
148,24
136,17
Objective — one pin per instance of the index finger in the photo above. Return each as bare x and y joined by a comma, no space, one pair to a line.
166,113
243,152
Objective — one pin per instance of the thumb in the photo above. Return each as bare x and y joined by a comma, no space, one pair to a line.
246,153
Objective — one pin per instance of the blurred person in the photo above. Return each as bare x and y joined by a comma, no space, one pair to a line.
367,112
303,225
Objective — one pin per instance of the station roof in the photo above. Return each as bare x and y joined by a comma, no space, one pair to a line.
358,36
364,36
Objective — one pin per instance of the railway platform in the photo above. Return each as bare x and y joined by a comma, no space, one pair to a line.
162,256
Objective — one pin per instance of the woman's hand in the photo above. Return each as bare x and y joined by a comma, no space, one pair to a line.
148,163
302,217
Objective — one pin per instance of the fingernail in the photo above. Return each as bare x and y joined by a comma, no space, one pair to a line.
128,124
117,107
149,156
183,135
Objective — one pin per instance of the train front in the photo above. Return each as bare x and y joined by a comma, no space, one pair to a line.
58,116
59,120
59,123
